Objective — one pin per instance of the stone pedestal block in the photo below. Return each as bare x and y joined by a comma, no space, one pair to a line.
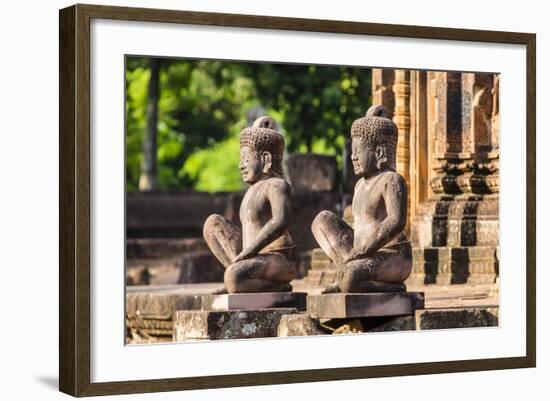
397,323
312,172
351,305
159,305
299,325
226,325
149,313
200,267
456,318
253,301
370,324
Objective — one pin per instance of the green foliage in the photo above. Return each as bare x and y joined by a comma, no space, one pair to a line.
211,169
318,103
136,103
203,106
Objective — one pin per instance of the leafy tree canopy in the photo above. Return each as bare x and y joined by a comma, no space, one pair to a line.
204,104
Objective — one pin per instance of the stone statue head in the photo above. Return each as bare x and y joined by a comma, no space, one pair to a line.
262,149
373,142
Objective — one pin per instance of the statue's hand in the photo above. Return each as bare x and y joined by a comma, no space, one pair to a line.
245,254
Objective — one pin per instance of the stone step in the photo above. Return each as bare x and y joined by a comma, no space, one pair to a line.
449,279
151,248
441,265
152,305
223,325
423,319
448,253
459,265
458,295
151,310
318,254
189,267
433,268
320,277
323,265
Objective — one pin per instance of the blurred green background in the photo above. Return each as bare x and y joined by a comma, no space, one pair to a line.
183,117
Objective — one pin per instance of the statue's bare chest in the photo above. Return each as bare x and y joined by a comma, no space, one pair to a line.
254,206
367,198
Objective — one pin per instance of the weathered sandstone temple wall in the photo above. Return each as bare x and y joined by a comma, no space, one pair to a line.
448,152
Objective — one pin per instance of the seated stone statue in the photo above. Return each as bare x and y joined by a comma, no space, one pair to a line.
263,257
375,255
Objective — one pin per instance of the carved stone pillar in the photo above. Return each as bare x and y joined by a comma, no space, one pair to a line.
382,88
455,233
419,142
401,117
448,133
480,142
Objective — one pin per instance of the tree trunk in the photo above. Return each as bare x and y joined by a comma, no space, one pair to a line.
148,177
309,143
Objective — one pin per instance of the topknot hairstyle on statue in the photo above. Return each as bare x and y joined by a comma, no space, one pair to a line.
376,128
264,137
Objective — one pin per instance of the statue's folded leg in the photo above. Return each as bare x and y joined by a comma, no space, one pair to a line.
334,236
384,271
271,272
223,238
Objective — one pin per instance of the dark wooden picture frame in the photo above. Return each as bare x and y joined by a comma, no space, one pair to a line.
74,203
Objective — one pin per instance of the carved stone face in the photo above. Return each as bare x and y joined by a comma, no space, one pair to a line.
366,162
251,166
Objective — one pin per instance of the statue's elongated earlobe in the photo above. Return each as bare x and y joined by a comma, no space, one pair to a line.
266,161
381,157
